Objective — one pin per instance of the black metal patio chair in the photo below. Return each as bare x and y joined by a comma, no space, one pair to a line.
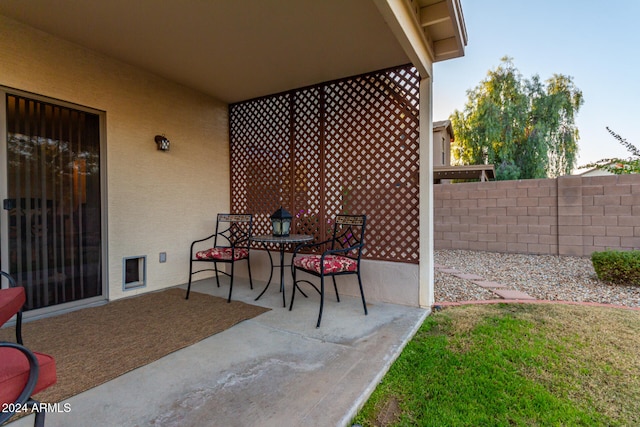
342,258
230,244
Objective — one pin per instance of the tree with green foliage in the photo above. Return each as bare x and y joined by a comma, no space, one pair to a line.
616,165
525,127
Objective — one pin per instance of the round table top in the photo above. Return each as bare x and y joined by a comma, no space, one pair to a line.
291,238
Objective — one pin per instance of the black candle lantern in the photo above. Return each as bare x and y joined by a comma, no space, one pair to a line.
281,222
162,142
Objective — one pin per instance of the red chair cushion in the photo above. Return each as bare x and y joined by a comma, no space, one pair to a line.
222,254
11,301
332,263
14,373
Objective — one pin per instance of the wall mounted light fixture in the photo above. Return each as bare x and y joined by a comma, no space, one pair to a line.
162,142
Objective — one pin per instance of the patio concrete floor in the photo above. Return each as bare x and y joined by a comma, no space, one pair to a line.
276,369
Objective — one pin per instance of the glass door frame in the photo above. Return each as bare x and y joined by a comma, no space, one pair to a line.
4,217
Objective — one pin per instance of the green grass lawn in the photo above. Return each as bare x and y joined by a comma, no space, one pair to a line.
515,364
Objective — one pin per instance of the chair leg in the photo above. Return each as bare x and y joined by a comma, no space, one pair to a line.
293,292
321,300
231,282
190,276
19,327
364,304
39,421
215,267
335,287
249,269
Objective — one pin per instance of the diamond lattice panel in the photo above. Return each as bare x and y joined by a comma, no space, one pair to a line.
260,158
372,159
307,172
344,147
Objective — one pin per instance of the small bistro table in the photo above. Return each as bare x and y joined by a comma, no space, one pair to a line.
281,242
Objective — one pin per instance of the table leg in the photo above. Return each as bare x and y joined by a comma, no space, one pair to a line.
284,304
270,274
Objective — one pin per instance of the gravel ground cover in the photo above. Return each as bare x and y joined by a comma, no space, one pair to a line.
544,277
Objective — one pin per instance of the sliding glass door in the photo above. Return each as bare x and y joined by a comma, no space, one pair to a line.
52,200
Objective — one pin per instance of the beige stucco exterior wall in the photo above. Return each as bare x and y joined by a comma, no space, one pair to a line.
156,201
441,145
383,281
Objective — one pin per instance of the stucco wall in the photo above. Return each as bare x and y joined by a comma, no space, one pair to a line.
156,201
570,215
383,281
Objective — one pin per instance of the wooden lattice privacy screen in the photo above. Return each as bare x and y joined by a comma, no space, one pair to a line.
348,146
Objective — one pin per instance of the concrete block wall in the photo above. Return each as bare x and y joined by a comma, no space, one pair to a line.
610,211
570,215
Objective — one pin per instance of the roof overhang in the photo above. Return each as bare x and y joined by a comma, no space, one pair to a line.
428,30
237,50
444,125
444,27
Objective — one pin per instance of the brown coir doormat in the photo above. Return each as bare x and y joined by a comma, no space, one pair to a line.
94,345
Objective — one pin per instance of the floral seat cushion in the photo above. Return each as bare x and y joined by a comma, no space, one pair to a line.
223,254
332,263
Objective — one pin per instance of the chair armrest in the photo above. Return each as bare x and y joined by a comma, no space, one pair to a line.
12,281
202,240
340,250
199,241
309,245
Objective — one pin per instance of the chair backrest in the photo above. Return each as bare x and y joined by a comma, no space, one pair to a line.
233,230
348,231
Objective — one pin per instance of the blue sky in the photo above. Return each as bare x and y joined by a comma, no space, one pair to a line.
595,42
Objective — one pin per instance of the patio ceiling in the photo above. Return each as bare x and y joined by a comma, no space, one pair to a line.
237,50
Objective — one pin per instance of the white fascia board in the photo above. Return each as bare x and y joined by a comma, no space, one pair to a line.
403,22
